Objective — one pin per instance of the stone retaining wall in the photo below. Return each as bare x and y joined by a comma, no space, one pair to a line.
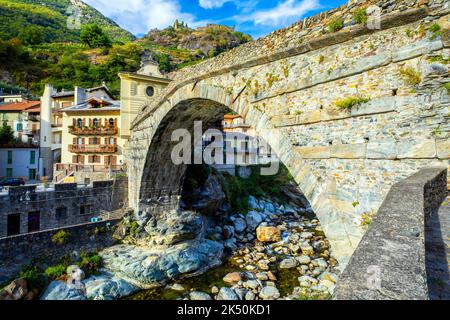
19,250
390,261
61,206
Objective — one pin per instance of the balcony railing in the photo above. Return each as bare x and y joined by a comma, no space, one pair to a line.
77,167
92,148
89,131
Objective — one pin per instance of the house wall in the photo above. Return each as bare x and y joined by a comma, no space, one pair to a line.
20,162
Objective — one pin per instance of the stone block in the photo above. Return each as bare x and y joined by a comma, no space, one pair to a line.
383,149
349,151
319,152
443,149
379,105
416,148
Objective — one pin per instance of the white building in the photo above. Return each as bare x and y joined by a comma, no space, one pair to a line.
20,163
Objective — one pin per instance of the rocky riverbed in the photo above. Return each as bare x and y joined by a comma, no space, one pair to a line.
281,253
273,252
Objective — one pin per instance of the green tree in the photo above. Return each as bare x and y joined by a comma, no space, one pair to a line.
6,134
31,35
94,37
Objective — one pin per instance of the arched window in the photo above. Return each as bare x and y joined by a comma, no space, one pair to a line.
150,91
95,123
111,122
79,123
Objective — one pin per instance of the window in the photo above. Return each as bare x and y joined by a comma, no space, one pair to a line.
95,122
19,127
10,156
32,157
150,91
31,174
111,122
79,123
61,213
9,172
94,159
133,89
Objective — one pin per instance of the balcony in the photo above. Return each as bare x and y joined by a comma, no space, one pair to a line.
90,131
92,148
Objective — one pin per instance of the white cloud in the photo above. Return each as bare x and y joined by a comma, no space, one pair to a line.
284,13
139,16
211,4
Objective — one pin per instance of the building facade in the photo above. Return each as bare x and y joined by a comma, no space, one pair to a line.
52,105
23,118
136,90
20,162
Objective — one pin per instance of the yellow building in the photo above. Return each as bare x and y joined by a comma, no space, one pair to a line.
136,90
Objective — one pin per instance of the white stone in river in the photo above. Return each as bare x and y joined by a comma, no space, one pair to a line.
198,295
288,263
303,259
269,293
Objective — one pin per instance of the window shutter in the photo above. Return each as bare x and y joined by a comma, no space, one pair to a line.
74,122
90,122
74,159
84,122
82,140
114,160
74,140
115,122
115,141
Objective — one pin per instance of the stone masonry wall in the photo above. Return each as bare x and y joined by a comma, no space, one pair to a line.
390,261
102,196
19,250
287,86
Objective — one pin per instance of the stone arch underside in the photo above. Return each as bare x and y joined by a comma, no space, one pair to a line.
344,161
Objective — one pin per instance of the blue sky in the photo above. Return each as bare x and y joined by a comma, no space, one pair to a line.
255,17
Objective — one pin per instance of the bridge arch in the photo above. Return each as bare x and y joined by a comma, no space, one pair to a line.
343,160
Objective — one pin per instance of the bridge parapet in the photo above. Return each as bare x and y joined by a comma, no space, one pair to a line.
390,261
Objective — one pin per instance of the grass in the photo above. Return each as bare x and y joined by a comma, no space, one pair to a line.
61,237
360,16
349,102
335,25
435,30
439,59
411,76
447,87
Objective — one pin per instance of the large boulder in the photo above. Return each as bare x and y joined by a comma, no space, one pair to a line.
209,198
148,267
106,286
59,290
268,234
174,226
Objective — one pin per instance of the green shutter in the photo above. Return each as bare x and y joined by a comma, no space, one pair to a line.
32,157
10,157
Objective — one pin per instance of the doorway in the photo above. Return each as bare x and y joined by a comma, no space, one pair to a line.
34,221
13,227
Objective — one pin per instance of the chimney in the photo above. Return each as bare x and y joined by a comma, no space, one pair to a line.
80,95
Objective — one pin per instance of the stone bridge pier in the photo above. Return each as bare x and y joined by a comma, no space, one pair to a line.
349,113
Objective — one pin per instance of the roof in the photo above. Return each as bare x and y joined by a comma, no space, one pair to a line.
231,116
109,105
63,94
143,77
20,106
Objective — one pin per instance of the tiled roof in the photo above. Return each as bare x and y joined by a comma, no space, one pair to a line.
113,106
20,106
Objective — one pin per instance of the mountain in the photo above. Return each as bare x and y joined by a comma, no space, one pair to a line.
178,45
51,18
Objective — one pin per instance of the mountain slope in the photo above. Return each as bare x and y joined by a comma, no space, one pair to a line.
177,46
51,16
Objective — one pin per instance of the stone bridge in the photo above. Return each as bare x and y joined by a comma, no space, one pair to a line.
289,85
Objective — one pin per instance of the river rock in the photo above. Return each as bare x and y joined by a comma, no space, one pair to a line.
268,234
228,232
269,293
303,259
252,284
214,290
232,277
307,249
150,266
253,203
253,219
58,290
329,276
16,290
239,225
99,287
226,293
250,296
199,295
288,263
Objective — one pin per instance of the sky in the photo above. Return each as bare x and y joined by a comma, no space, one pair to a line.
255,17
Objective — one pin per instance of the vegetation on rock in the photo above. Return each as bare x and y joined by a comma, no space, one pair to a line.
61,237
411,76
360,16
349,102
335,25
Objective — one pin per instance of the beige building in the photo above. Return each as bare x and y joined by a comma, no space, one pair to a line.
136,90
